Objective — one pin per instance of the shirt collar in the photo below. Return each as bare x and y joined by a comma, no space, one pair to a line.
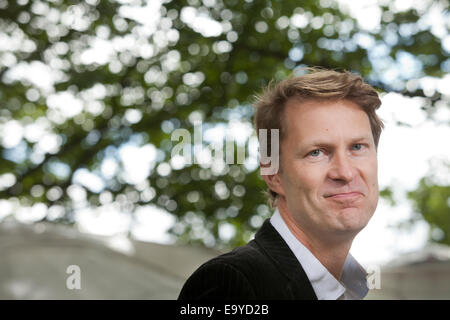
353,284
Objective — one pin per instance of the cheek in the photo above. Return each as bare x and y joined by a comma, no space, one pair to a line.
369,170
307,179
371,180
374,176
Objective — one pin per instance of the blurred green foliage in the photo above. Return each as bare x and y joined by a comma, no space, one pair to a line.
156,71
431,202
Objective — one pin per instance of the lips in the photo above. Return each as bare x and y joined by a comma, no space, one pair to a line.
344,196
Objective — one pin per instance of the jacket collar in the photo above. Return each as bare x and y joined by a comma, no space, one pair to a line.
271,242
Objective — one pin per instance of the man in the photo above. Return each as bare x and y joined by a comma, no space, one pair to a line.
324,192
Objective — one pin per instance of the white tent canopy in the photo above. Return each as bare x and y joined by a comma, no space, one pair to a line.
35,259
422,274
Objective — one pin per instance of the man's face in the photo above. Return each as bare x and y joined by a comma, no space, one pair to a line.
328,177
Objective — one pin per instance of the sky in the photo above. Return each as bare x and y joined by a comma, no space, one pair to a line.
405,154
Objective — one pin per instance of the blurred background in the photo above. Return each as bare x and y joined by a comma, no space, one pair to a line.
91,92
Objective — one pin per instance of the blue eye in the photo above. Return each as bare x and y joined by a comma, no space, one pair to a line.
315,153
358,145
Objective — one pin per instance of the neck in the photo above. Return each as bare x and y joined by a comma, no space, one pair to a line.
330,251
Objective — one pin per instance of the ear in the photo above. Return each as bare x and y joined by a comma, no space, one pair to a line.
273,181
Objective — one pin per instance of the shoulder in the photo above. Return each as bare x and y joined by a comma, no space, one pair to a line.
233,275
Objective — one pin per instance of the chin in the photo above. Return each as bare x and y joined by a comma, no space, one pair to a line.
352,220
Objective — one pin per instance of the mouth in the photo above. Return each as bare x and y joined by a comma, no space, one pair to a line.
344,196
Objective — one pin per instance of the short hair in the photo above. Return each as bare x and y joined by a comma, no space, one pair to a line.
316,84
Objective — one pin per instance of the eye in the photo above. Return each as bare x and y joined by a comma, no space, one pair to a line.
315,153
357,146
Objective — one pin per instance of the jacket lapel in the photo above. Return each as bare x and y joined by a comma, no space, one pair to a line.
271,242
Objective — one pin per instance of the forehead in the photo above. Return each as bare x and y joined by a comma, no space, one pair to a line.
328,118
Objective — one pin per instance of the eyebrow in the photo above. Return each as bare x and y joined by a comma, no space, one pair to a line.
327,144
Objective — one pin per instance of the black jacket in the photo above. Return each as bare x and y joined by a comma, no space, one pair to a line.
265,268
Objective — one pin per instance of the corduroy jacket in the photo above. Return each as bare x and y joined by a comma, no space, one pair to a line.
263,269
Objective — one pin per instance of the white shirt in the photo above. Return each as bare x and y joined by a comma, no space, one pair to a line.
353,284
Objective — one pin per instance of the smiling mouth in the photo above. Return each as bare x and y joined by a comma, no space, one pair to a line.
344,196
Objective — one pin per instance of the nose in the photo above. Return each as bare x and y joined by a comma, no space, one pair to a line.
342,168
